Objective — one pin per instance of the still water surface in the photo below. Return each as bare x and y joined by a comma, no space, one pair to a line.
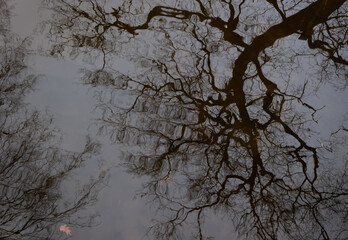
191,120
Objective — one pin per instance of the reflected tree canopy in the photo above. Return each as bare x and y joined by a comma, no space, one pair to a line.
216,111
32,167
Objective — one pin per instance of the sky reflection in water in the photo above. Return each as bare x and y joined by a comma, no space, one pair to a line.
208,143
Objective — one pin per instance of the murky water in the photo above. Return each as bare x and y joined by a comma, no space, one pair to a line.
173,119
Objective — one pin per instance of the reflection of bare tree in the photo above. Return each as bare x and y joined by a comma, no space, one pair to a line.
213,120
32,167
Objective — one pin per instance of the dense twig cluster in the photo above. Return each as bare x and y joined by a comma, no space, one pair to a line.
210,116
32,166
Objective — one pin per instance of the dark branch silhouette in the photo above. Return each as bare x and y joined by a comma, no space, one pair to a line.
212,113
32,166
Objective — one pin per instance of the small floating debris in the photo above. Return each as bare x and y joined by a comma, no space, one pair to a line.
65,229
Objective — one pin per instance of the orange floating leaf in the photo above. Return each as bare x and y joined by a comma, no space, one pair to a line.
64,228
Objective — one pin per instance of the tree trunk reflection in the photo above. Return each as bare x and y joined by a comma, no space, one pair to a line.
212,113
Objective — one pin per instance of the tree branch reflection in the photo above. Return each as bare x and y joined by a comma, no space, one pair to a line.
32,166
213,113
